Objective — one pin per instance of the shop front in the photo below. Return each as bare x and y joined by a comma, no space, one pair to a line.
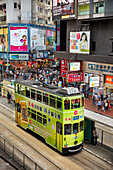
98,77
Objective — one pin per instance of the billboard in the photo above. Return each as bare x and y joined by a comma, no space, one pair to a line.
75,66
3,39
63,9
94,82
18,39
37,39
51,35
80,42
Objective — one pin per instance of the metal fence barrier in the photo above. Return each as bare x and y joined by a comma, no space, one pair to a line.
18,155
105,138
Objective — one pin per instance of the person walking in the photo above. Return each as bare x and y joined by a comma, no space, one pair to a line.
8,97
99,104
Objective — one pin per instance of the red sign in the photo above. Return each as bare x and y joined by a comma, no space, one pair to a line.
29,63
1,62
75,77
109,79
75,112
64,68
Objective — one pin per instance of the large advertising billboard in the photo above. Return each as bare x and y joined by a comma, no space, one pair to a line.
37,39
63,9
3,39
51,35
18,39
80,42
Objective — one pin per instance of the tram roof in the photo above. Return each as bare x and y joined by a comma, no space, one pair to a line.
63,92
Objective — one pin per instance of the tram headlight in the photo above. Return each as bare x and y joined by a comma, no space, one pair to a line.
75,142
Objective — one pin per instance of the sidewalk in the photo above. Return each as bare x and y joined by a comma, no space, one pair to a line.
88,105
97,150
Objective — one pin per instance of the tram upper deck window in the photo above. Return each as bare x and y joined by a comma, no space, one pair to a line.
52,101
67,104
45,98
75,128
27,92
33,94
75,103
59,103
39,96
82,101
67,129
81,125
23,90
15,88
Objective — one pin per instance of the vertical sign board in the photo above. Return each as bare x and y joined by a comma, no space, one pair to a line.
3,39
64,68
19,39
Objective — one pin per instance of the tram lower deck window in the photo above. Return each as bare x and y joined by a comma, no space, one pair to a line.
39,119
33,116
67,129
75,128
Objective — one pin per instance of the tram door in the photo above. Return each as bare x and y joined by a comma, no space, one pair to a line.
59,135
24,111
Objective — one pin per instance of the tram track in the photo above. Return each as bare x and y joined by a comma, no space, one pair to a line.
80,158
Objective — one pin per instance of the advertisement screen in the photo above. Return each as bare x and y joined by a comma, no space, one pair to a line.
51,35
18,39
94,82
75,66
80,42
3,39
37,39
63,8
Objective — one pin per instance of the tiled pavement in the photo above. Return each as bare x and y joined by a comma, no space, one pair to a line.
88,105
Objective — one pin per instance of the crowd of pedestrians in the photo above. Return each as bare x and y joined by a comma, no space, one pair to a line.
102,102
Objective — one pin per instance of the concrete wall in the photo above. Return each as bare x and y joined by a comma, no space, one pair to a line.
25,10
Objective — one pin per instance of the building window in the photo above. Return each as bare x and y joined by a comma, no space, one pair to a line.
41,10
112,46
93,45
41,0
19,6
46,22
46,11
99,7
83,9
48,18
48,2
15,5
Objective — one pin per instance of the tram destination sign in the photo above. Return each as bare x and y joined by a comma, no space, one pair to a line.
69,90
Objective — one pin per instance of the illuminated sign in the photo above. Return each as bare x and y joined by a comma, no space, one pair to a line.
94,82
75,66
63,9
18,56
109,79
18,39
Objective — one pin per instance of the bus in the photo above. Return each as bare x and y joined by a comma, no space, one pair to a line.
56,114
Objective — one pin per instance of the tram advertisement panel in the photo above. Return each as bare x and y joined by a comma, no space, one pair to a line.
37,39
63,9
18,39
3,39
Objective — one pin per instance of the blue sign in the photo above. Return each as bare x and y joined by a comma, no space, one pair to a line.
75,117
45,54
75,137
81,116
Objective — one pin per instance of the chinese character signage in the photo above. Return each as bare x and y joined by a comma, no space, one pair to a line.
63,9
3,39
37,39
18,39
75,77
18,56
94,82
80,42
64,68
75,66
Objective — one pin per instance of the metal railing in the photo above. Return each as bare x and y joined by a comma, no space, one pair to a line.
18,155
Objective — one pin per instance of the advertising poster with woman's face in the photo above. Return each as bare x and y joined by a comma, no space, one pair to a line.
18,39
80,42
3,39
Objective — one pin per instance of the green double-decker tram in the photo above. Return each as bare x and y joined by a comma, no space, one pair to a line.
56,114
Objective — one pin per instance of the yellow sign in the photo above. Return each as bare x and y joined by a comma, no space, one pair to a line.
65,16
3,39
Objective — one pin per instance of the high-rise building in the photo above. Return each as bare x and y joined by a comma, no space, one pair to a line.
26,11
